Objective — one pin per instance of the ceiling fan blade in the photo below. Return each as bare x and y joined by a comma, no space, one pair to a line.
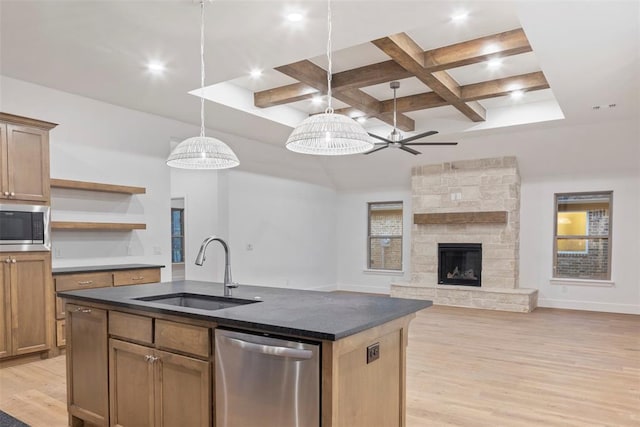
377,149
420,135
409,150
381,138
430,143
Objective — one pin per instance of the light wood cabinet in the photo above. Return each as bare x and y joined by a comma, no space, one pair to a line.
24,159
97,279
156,388
27,304
87,362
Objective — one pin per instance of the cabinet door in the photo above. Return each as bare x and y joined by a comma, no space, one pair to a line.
183,391
5,310
87,362
30,290
27,163
4,179
131,390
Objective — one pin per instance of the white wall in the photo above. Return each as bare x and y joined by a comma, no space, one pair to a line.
283,232
103,143
351,257
536,244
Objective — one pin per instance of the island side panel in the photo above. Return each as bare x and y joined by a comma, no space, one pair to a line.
356,393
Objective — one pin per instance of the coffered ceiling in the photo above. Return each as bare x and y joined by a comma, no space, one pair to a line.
586,51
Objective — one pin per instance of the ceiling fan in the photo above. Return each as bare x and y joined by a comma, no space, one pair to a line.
395,138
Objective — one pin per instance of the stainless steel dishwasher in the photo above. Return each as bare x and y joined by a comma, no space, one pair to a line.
262,381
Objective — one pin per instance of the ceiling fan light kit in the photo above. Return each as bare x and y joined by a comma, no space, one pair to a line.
202,152
329,134
395,138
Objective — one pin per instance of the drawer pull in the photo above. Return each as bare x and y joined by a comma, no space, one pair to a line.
85,282
151,359
82,310
138,278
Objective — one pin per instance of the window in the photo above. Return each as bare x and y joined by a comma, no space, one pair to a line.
385,236
582,244
177,235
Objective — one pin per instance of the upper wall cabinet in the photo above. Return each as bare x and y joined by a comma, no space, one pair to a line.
24,159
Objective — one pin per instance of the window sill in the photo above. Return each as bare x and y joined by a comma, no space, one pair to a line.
384,272
583,282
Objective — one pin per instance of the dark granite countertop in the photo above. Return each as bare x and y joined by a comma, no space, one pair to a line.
311,314
96,268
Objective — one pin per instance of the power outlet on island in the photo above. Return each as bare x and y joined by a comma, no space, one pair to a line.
373,352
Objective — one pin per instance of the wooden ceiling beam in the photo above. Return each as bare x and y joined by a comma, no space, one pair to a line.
369,75
310,74
283,95
500,87
406,52
472,92
508,43
474,51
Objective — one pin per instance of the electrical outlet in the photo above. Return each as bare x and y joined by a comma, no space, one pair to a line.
373,352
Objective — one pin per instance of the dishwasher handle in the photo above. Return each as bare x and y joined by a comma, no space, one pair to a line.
272,350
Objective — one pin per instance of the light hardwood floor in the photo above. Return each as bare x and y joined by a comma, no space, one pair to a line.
465,368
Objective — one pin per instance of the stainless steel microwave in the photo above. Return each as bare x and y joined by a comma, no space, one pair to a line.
24,228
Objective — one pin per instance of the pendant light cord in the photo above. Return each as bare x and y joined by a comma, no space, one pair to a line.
394,108
329,110
202,68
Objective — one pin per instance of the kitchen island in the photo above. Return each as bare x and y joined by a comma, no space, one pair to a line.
146,354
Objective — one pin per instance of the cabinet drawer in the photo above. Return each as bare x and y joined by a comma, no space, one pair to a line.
61,334
59,308
70,282
131,326
183,338
136,277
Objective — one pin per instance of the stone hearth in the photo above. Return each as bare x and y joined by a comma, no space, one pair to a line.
462,202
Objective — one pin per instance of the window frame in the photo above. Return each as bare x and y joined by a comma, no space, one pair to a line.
181,236
608,237
369,267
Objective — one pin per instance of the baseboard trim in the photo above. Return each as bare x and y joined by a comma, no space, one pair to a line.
364,289
589,306
324,288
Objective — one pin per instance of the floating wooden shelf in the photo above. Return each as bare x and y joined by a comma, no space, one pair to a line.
95,186
491,217
107,226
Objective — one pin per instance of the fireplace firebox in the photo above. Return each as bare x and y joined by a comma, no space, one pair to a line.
459,264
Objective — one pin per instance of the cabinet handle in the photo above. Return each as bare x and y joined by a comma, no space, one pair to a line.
12,194
13,260
151,359
138,278
82,310
8,260
6,193
85,282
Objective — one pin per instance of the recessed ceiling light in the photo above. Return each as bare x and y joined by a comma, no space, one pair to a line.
156,67
517,94
255,73
294,17
494,63
490,48
459,16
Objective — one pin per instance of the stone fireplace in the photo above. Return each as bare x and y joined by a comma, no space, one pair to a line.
470,209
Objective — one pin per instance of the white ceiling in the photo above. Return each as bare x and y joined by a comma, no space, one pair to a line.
588,50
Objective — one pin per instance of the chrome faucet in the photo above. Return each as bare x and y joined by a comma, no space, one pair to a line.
228,285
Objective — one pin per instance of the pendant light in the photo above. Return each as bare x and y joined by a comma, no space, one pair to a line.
202,152
329,134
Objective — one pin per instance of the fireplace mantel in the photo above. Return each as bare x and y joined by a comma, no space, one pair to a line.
488,217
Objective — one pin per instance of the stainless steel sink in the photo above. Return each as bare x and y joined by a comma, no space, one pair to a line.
202,302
